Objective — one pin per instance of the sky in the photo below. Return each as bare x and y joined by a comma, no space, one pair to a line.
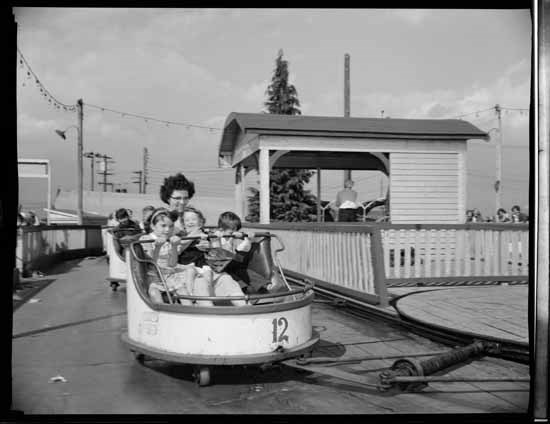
196,66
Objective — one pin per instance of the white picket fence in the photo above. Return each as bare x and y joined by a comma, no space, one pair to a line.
440,252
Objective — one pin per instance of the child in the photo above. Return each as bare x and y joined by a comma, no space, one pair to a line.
146,212
230,224
127,230
124,222
180,279
224,283
193,250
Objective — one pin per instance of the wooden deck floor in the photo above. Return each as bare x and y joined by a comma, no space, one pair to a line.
496,311
342,335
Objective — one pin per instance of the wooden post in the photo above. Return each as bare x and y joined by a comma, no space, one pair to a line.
319,194
378,267
92,162
498,183
49,188
243,193
462,185
79,152
239,192
347,172
264,186
145,161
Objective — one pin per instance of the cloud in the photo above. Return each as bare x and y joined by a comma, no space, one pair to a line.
255,93
28,125
216,121
411,16
510,90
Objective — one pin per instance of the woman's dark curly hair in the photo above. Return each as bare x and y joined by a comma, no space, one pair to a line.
176,182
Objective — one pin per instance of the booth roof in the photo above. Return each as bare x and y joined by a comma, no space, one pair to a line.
264,123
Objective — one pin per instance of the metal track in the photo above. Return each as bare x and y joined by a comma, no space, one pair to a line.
517,352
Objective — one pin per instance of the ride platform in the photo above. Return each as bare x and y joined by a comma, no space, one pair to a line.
74,330
495,312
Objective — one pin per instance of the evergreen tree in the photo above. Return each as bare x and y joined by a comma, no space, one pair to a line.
289,201
282,97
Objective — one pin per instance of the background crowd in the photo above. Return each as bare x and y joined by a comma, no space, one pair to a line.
502,215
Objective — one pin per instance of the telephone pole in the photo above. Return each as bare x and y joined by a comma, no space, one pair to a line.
498,182
145,163
139,181
347,172
80,183
105,171
92,155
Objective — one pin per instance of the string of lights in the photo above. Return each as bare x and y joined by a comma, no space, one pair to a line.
43,90
149,118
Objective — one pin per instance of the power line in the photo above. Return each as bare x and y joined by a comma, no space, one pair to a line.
191,171
472,113
515,108
477,112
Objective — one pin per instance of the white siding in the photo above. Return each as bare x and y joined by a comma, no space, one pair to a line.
424,187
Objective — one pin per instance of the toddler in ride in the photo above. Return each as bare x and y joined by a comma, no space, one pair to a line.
225,283
180,279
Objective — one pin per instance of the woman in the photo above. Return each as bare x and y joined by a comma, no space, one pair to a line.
346,203
176,193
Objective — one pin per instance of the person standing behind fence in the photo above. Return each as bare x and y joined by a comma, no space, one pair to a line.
502,216
517,215
346,203
477,216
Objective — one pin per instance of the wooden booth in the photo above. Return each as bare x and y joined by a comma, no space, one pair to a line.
424,159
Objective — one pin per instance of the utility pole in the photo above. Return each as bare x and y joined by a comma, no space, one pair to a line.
498,182
347,172
104,170
79,205
145,163
92,155
139,181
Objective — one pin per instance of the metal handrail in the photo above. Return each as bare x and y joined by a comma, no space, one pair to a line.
307,286
277,262
247,297
324,208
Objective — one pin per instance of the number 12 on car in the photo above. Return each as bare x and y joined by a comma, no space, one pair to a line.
279,328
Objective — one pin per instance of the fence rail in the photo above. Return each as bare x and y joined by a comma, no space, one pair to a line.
425,253
38,247
367,258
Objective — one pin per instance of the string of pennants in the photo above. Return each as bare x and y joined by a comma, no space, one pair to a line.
33,78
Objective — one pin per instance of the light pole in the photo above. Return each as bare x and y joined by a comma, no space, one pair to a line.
80,188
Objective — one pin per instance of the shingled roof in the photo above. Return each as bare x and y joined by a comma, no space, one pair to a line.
264,123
